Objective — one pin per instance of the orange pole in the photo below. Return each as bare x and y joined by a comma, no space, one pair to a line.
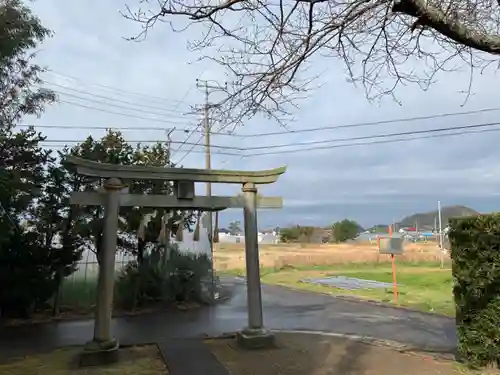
394,282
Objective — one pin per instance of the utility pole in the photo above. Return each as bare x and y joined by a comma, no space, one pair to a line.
203,84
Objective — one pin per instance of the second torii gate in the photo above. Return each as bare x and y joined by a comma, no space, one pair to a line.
184,198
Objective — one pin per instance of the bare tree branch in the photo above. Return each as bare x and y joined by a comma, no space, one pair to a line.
448,25
272,52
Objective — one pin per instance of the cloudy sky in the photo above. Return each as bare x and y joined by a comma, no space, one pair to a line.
153,84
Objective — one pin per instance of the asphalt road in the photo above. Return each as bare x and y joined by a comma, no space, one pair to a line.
283,309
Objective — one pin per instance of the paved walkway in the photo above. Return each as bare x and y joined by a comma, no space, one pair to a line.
188,357
283,309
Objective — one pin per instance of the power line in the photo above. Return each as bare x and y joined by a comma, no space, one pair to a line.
413,132
116,89
190,134
118,113
374,123
59,145
191,150
110,98
374,143
295,144
187,139
144,141
323,128
92,127
206,126
328,147
118,106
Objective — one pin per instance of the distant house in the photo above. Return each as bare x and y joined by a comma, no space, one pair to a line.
264,237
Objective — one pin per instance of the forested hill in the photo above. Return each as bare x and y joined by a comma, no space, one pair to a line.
426,219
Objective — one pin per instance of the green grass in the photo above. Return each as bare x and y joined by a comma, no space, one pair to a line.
423,287
78,293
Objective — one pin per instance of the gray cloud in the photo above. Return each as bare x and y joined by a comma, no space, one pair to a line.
371,183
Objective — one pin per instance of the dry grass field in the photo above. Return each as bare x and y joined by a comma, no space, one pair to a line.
423,284
232,256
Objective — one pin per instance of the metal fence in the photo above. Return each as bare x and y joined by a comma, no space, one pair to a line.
80,288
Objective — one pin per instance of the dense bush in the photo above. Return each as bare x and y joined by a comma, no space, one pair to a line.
139,285
475,253
345,230
180,279
185,274
297,234
29,273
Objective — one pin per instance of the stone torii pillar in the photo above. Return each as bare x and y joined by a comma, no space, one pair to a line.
255,335
103,347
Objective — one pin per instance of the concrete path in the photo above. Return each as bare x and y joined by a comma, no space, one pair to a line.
283,309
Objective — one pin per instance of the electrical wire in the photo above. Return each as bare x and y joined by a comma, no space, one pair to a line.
413,132
119,113
92,127
143,141
60,145
465,129
167,110
197,127
374,123
188,138
115,89
182,119
373,143
191,150
317,129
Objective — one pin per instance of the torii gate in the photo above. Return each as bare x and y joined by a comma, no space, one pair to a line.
113,197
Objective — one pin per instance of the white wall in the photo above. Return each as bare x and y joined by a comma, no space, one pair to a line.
196,247
88,267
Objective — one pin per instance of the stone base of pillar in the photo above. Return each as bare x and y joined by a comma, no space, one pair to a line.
98,353
256,338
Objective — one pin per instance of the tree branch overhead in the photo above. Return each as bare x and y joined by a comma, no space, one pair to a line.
271,49
450,27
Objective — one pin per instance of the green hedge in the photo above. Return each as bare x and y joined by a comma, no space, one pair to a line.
475,253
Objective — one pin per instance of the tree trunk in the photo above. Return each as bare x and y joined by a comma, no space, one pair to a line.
57,296
141,245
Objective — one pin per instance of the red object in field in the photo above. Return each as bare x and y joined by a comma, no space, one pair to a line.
390,230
